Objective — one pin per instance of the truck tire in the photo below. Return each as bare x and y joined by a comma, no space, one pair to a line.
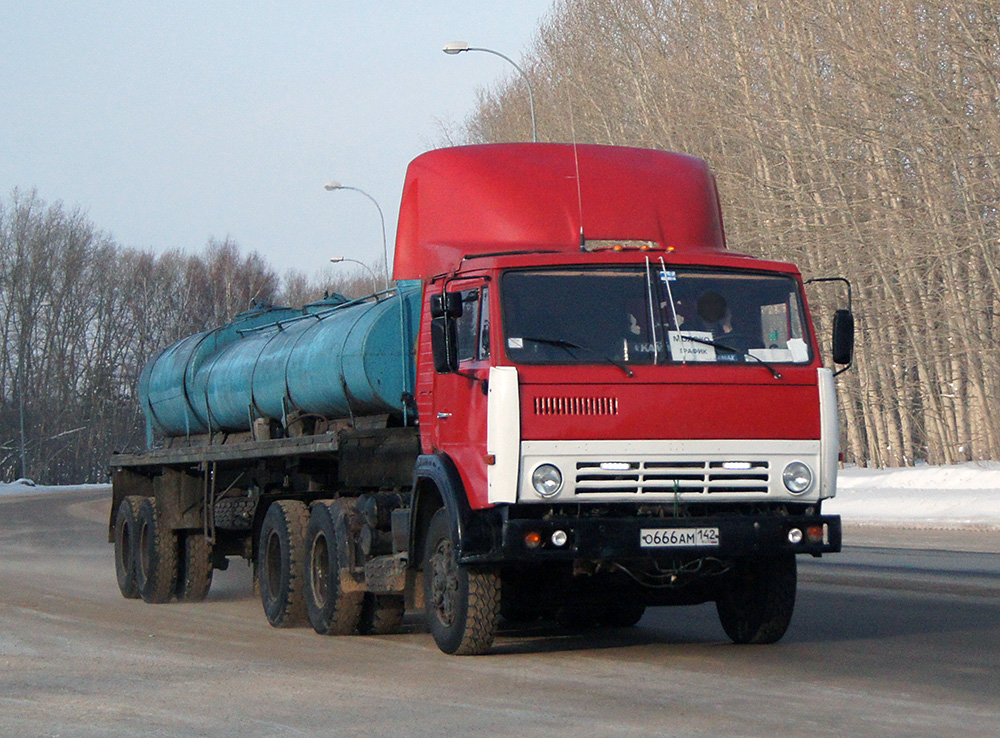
463,603
155,556
281,555
194,573
126,532
234,513
756,599
331,610
381,614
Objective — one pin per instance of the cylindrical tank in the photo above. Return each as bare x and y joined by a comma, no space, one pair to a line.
335,358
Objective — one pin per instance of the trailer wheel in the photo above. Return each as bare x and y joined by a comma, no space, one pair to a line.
126,531
756,599
463,603
381,614
194,575
156,555
281,555
331,610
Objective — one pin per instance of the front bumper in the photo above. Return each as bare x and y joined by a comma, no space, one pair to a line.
618,538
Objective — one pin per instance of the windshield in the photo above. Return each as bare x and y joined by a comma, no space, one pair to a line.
654,315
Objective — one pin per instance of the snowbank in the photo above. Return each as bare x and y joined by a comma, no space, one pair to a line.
27,487
963,495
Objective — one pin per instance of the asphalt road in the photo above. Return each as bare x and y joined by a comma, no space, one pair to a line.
897,638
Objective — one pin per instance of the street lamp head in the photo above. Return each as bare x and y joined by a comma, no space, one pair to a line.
456,47
331,186
336,259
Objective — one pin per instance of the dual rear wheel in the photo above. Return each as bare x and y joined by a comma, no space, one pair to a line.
154,562
305,559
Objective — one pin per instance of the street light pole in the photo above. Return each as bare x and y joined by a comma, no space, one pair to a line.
331,186
457,47
339,259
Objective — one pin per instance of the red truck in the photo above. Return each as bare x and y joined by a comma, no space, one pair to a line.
575,404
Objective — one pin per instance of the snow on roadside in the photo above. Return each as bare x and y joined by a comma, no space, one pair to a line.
26,487
962,495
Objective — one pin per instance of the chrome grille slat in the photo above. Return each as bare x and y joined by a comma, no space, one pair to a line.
684,476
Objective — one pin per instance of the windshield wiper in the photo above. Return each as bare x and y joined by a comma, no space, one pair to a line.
569,345
774,372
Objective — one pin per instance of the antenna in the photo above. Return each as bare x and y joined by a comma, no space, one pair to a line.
576,161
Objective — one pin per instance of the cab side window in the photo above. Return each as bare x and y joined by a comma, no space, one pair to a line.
472,327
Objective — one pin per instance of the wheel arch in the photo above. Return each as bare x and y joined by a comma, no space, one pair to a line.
438,484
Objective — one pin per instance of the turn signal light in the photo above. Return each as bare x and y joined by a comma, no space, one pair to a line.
533,539
815,534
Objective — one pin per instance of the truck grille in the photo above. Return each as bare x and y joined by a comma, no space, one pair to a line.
576,406
643,477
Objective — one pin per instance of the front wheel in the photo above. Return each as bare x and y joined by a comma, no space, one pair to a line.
756,599
463,603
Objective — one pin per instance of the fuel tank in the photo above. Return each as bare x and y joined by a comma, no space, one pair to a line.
336,358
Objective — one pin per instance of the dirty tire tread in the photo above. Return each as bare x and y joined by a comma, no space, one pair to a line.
194,577
234,513
126,532
762,612
477,603
381,614
287,521
484,613
156,556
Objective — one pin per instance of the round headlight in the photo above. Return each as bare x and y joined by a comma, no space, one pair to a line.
547,480
797,477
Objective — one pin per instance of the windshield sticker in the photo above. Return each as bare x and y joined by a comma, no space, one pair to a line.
668,276
800,352
773,355
515,343
683,348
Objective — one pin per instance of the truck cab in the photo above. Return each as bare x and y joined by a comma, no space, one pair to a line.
616,411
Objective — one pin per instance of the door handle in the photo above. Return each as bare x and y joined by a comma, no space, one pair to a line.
443,416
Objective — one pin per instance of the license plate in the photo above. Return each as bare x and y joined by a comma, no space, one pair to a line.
667,537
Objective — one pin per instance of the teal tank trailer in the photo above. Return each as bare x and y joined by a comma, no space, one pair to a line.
336,358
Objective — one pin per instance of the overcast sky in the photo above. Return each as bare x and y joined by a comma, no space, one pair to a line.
168,123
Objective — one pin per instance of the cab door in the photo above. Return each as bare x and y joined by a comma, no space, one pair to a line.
460,398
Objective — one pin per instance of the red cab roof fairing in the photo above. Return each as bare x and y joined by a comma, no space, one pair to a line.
472,200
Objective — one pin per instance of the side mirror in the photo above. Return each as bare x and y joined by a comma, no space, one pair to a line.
443,343
448,305
843,337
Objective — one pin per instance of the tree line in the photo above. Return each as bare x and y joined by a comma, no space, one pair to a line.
79,317
853,138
